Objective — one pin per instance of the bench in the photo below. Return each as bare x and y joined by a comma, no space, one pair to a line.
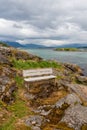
35,75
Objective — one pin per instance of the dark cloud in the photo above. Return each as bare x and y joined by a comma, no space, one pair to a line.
58,21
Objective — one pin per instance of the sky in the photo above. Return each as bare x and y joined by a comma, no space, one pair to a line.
44,22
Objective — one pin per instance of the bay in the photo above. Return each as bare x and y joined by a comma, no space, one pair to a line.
79,58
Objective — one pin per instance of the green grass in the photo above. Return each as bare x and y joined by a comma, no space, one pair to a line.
20,64
19,108
19,81
9,125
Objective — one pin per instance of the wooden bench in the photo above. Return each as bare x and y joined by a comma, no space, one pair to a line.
35,75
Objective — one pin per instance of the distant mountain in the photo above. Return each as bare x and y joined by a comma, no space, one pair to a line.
13,44
73,45
34,46
17,45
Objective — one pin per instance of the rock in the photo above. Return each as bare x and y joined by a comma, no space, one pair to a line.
3,59
34,121
35,128
44,110
75,116
81,79
29,96
7,84
70,99
74,68
79,90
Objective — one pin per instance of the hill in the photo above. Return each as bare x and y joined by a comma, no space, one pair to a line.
3,44
18,45
14,44
40,105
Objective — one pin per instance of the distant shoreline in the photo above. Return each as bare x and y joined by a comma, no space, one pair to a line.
70,49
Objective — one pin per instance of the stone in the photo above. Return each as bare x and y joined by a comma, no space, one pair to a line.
74,68
36,128
75,116
35,120
79,90
70,99
81,79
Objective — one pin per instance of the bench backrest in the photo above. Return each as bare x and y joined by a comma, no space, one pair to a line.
37,72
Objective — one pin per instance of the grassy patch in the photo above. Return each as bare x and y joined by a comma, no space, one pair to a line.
21,64
19,109
9,125
19,81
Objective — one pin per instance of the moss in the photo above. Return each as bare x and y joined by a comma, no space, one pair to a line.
63,126
84,127
22,127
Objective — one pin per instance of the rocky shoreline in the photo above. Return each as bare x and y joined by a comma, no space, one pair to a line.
62,106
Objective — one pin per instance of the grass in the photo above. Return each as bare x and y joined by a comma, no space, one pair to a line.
9,125
21,64
19,81
19,109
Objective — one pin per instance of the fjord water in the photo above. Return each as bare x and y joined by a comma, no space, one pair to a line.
79,58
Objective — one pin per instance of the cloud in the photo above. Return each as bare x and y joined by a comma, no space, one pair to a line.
45,22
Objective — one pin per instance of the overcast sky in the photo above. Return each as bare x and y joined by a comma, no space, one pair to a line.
47,22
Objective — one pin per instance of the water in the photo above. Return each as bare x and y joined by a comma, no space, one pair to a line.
79,58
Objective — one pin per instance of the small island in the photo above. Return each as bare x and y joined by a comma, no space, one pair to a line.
68,49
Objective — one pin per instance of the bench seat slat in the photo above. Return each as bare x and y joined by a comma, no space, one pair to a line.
39,78
37,72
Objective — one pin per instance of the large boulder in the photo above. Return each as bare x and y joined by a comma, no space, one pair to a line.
75,116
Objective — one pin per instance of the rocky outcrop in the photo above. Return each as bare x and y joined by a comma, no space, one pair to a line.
7,73
81,79
7,84
74,68
75,116
59,106
9,52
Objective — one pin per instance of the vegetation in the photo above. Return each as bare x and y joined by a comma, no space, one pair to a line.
84,127
9,125
67,49
4,44
21,64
